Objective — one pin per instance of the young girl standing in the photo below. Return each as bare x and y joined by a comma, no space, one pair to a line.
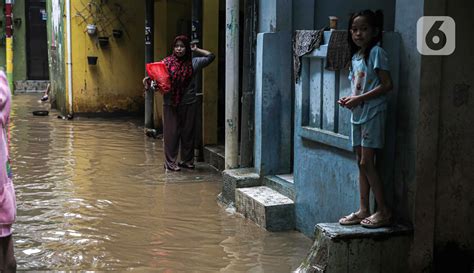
370,81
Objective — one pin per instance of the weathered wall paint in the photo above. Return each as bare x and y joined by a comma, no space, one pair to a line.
342,9
275,15
56,54
303,14
272,104
210,33
273,88
114,83
160,49
19,43
407,14
455,188
446,112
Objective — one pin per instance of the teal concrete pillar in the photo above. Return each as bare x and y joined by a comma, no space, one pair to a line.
273,103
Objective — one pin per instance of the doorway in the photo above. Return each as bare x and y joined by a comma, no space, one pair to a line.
36,40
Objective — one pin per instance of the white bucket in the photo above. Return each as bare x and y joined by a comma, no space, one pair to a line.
91,28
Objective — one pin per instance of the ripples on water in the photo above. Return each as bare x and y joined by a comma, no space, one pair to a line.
93,195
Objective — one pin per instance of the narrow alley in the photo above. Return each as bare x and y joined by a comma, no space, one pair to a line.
93,195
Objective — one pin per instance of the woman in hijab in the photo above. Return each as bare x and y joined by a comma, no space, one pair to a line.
179,105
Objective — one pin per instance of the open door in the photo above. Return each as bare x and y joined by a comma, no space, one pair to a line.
36,40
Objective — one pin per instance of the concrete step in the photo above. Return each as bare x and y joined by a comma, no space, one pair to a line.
282,184
238,178
345,249
28,86
214,156
266,207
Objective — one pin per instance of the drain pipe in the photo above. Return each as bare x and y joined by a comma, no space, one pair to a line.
9,42
149,44
232,84
69,55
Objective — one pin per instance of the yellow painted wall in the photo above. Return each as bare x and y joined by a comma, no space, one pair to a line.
114,84
209,87
160,50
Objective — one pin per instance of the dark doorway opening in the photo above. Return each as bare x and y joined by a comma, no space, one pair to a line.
36,40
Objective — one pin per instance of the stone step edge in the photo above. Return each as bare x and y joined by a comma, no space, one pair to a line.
289,203
280,185
215,150
335,231
29,90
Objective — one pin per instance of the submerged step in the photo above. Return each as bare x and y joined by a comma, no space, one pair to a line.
238,178
266,207
214,156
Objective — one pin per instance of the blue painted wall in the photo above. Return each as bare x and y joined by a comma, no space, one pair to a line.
273,90
274,15
273,104
342,9
303,14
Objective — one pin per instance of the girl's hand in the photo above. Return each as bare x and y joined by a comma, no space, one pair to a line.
342,101
194,47
352,101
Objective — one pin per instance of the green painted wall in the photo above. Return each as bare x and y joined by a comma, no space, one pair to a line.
19,41
56,53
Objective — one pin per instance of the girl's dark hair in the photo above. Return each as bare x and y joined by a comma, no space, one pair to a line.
375,20
187,45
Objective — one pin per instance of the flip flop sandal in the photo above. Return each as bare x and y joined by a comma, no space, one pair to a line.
186,165
351,219
367,223
172,168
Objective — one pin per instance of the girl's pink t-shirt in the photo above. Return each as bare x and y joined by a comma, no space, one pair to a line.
5,104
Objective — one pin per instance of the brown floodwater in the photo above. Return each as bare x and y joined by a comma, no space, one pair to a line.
93,195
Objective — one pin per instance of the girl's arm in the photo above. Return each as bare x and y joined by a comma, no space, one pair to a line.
384,86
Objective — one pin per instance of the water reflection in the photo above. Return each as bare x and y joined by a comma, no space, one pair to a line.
93,195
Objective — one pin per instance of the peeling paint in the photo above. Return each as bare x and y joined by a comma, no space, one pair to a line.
230,124
461,94
272,27
57,73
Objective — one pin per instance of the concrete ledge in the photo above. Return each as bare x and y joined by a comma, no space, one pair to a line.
335,231
280,185
266,207
347,249
214,156
30,86
238,178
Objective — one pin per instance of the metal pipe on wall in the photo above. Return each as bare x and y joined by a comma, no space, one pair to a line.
248,84
69,55
232,84
9,42
149,42
196,37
